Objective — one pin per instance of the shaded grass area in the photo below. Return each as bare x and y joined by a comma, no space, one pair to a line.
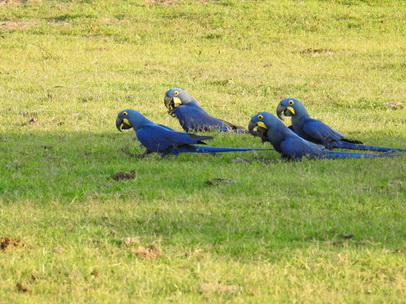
311,231
285,201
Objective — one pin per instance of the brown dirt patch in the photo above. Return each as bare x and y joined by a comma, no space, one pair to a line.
17,2
166,2
130,240
149,252
220,181
33,121
59,249
123,175
347,235
11,24
9,243
22,288
317,51
394,105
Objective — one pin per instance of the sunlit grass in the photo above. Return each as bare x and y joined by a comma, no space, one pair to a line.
278,234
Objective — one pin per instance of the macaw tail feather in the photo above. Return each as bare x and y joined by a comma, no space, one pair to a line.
227,130
336,154
352,141
236,130
343,144
208,149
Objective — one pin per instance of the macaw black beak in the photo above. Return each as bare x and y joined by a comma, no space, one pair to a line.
251,128
283,111
256,129
171,103
122,124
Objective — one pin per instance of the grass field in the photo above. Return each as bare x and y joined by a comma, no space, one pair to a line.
299,232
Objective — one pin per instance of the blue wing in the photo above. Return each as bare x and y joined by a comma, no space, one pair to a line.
345,144
296,148
194,118
318,131
158,138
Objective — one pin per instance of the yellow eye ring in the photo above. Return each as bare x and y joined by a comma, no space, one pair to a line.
176,93
260,117
291,102
125,113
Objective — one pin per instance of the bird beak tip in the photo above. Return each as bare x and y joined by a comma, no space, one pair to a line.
251,128
119,122
280,112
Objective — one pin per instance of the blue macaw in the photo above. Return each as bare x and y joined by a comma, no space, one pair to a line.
192,117
292,146
164,140
318,132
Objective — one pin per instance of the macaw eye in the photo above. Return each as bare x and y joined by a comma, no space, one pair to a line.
291,102
125,113
176,93
260,117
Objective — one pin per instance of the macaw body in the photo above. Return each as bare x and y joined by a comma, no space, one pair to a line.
318,132
164,140
192,117
292,146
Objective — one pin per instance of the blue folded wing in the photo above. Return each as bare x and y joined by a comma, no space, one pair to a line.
160,138
294,147
320,132
194,118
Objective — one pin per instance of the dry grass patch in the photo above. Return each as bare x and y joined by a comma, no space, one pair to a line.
10,243
149,252
17,2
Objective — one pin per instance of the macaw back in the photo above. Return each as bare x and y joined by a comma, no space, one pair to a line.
316,131
159,138
194,118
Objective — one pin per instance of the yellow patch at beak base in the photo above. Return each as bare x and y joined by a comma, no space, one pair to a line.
127,122
291,110
261,124
176,101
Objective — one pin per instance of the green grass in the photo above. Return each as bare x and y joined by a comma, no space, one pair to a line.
275,234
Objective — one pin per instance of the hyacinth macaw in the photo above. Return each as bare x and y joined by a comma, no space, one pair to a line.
164,140
292,146
192,117
318,132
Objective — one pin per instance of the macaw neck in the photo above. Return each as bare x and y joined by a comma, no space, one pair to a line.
277,136
300,117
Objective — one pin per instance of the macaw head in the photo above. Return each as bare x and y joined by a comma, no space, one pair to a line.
128,119
266,126
176,97
258,126
290,107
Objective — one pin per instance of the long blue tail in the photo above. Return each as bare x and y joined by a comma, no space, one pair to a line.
233,130
337,154
349,145
208,149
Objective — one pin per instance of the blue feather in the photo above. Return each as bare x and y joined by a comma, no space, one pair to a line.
208,149
318,132
342,144
292,146
164,140
194,118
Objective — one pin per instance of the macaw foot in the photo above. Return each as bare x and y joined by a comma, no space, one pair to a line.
125,151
